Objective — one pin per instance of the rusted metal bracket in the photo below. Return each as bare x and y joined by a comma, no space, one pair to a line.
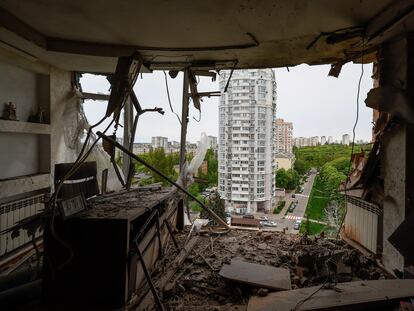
231,74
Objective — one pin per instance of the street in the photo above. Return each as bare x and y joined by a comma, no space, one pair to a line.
289,220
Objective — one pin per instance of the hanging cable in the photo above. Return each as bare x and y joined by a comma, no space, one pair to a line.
199,117
169,98
348,177
74,167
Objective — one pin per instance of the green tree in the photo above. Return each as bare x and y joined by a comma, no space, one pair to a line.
282,178
341,164
300,166
165,163
216,204
288,179
293,179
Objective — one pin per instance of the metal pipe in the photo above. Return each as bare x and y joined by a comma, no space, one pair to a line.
135,157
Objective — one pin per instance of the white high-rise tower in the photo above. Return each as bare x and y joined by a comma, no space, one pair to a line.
247,114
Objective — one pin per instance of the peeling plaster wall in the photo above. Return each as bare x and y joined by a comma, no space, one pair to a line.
393,161
393,157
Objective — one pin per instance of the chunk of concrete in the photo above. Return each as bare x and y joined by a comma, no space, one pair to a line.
257,275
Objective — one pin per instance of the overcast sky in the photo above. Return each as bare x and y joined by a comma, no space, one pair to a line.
315,103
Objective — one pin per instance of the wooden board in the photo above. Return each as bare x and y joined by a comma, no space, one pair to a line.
257,275
360,294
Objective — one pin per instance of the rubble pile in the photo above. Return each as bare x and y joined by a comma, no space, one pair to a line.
311,261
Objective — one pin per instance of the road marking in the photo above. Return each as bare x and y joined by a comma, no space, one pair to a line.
293,217
302,195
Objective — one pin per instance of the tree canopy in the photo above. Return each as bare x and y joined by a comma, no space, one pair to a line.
288,179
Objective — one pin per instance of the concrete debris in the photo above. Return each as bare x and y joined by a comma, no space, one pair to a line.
357,295
309,261
262,292
256,275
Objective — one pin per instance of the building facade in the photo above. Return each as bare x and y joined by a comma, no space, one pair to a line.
247,140
212,142
323,140
284,136
159,142
345,139
306,141
284,160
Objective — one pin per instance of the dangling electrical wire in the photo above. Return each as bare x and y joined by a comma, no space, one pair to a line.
169,98
348,177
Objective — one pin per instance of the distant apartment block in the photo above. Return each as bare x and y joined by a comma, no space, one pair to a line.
284,136
212,142
330,140
323,140
159,142
246,140
345,139
141,148
174,144
306,141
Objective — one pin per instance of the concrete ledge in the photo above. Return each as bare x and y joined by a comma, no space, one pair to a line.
8,126
24,184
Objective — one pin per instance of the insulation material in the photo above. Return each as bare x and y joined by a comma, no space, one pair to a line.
199,156
73,130
189,170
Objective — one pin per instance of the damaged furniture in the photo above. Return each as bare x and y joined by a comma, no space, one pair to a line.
98,265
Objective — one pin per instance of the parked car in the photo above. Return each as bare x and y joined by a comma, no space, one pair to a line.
293,195
270,224
264,218
250,216
292,207
297,224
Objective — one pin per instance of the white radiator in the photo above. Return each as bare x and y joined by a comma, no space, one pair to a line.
361,223
14,211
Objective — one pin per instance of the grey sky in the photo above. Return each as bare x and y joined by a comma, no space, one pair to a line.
315,103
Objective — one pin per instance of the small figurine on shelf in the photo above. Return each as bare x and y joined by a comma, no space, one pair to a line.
38,117
9,112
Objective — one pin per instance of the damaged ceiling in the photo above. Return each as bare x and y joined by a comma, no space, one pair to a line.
90,35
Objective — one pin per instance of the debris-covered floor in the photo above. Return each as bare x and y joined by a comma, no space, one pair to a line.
197,284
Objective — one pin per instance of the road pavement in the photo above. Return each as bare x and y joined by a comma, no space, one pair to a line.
289,220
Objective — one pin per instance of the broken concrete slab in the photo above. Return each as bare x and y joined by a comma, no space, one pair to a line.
257,275
346,296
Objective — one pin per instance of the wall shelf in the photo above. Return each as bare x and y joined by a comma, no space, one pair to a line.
7,126
23,184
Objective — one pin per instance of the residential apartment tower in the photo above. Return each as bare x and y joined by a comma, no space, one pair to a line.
247,140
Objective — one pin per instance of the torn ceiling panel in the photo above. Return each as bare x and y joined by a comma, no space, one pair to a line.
89,35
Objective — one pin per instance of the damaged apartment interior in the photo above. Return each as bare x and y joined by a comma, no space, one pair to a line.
76,233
